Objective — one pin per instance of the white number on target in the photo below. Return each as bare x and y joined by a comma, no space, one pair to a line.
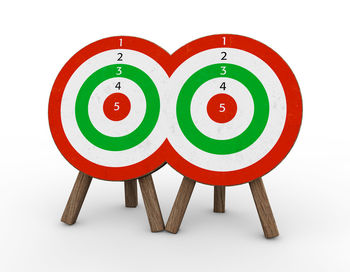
116,105
222,107
119,71
223,70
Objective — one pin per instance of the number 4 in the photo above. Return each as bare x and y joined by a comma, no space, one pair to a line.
223,86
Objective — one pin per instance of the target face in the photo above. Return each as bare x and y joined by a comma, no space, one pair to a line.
105,109
234,110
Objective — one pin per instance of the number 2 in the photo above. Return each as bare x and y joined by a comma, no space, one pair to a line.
120,57
224,56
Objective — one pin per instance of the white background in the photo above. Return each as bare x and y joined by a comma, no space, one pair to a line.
309,191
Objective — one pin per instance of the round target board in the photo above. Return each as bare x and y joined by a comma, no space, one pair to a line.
234,110
105,110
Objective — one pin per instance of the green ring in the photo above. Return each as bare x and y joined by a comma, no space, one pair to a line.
246,138
141,132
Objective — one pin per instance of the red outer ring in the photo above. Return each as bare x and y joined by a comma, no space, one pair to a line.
139,169
293,118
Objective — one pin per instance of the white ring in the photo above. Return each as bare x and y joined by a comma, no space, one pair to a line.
233,128
131,121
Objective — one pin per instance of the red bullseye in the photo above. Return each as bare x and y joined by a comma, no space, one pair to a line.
222,108
116,106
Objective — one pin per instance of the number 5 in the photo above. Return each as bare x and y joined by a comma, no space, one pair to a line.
223,70
222,107
116,104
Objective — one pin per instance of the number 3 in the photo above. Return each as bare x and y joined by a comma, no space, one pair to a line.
223,70
119,71
222,107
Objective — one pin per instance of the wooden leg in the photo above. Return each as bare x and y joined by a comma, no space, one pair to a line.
263,207
179,208
130,189
219,199
150,200
76,198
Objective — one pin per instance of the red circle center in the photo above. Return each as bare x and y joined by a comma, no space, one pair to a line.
116,106
222,108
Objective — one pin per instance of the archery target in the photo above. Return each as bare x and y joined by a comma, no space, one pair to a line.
228,111
110,112
211,151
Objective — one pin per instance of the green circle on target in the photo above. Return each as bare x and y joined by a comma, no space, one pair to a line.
142,131
247,137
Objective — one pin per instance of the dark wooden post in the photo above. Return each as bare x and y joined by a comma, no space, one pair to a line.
76,198
263,207
219,199
130,189
180,205
150,200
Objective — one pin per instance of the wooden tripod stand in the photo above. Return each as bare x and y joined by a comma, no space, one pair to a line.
149,195
260,198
